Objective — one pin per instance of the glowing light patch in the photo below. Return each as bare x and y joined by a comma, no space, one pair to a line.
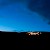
33,33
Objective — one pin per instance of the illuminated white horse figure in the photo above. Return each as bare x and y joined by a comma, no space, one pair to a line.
33,33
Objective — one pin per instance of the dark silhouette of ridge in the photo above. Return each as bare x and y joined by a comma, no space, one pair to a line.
15,40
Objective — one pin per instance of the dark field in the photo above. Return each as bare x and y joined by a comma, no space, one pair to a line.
21,40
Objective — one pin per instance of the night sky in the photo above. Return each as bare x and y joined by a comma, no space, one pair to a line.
15,15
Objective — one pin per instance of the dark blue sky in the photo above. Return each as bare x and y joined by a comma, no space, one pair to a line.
16,16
